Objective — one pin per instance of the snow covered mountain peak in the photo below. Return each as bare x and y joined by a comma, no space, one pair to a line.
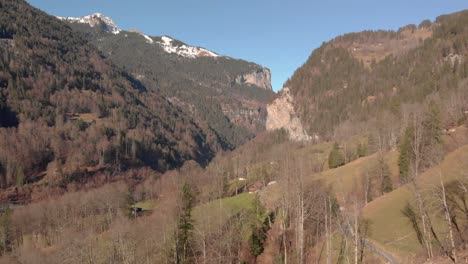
96,19
168,44
183,50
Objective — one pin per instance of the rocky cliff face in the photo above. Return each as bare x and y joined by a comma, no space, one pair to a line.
281,115
260,78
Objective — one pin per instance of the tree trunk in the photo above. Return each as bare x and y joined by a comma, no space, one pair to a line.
327,233
301,229
356,236
426,235
449,222
283,227
285,243
416,148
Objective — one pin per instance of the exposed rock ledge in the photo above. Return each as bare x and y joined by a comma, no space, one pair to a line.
281,114
260,78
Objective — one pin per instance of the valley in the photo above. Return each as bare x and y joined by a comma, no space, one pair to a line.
121,147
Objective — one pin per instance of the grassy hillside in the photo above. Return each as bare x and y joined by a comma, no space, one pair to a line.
347,178
390,228
220,212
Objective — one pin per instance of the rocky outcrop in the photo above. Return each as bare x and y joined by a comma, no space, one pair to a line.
281,115
260,78
250,115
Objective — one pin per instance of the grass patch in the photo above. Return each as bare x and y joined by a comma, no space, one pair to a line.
216,214
145,205
228,207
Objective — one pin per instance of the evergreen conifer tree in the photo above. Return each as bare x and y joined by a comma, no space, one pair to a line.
335,159
185,224
386,182
432,136
404,158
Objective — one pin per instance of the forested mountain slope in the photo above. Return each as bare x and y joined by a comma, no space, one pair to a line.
228,94
64,108
372,75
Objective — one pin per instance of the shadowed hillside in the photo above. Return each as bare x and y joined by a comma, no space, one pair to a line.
65,107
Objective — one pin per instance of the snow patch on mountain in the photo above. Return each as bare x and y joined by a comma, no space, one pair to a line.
95,20
148,39
183,50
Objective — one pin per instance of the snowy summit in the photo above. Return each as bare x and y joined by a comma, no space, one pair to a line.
167,44
95,20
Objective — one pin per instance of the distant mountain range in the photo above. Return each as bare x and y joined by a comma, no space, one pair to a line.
106,24
228,94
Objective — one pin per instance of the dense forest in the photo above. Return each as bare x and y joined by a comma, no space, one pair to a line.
66,107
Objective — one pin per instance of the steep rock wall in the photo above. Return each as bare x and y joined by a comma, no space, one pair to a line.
260,78
281,115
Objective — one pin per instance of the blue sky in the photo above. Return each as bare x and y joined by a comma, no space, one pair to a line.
277,34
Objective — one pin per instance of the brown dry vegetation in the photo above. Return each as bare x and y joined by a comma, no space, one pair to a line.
377,46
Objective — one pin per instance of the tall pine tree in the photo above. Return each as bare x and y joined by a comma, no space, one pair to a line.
386,181
184,225
335,159
361,149
6,234
406,154
431,149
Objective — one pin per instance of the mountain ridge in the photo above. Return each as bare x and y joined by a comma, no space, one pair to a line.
357,77
228,94
106,23
165,41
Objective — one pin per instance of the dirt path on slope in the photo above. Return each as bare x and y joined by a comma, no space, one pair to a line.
389,258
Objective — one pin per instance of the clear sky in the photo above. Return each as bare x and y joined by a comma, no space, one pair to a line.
277,34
